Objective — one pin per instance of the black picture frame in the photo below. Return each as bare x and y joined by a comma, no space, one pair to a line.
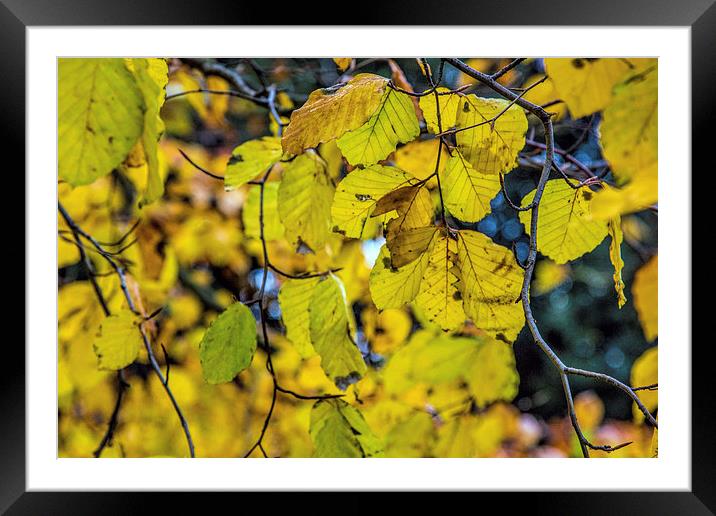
700,15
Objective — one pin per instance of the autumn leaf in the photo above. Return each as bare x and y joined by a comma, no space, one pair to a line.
250,159
339,430
392,123
357,195
304,201
330,329
118,343
565,228
468,193
615,255
439,296
94,136
645,373
331,112
490,283
585,84
491,148
645,292
228,344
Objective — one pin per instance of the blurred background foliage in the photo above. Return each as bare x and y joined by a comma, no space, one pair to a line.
195,253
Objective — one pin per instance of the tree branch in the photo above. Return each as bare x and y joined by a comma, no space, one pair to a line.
119,270
564,371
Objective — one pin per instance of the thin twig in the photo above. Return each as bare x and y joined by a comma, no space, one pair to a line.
119,270
546,120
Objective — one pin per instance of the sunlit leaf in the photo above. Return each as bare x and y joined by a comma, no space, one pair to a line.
100,117
357,195
393,288
565,228
250,159
491,148
295,298
331,112
439,296
392,123
490,282
467,193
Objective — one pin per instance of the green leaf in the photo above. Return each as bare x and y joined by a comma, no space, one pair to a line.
273,229
330,327
294,297
100,117
250,159
118,342
393,122
339,430
228,344
304,201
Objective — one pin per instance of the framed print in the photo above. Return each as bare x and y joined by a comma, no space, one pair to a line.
250,260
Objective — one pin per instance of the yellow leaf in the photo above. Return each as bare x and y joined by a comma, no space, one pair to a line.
548,276
467,193
490,148
118,342
585,84
544,93
294,298
641,193
645,292
448,102
414,208
629,130
439,296
419,157
343,62
151,78
491,374
386,330
490,283
100,117
304,201
393,288
565,228
589,410
330,329
251,159
410,244
357,195
615,255
273,229
645,372
392,123
330,112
